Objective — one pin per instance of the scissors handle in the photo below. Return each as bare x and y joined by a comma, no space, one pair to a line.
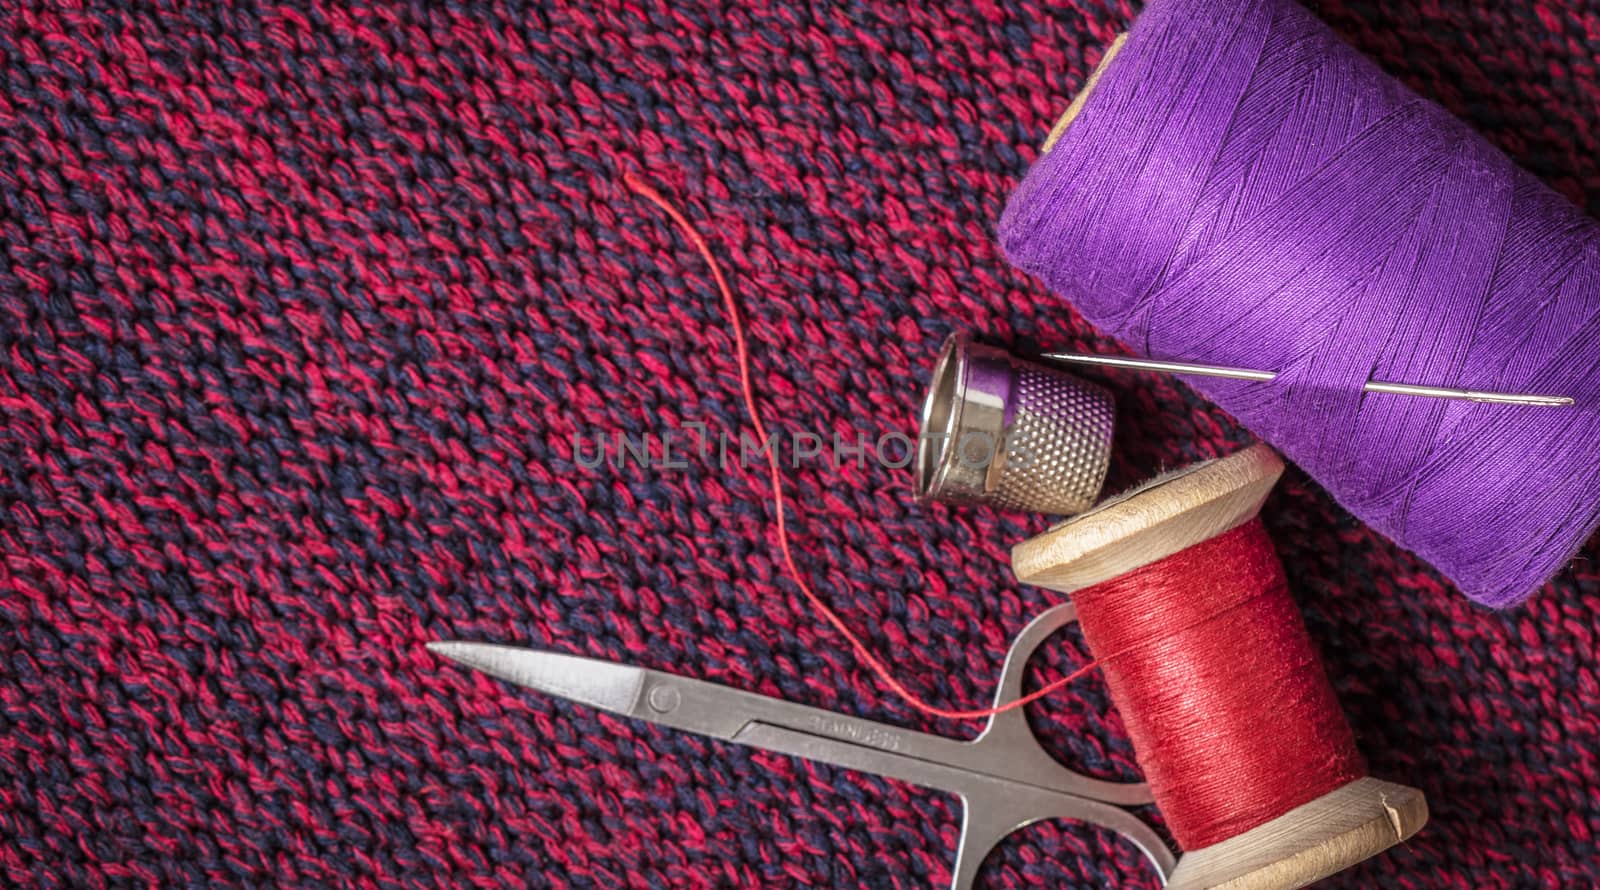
992,807
993,813
1009,740
990,817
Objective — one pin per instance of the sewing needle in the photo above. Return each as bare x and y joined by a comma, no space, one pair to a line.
1404,389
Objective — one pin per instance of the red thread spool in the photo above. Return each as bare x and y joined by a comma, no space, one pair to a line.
1206,641
1184,603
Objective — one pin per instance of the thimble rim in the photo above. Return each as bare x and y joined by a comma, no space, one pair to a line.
941,412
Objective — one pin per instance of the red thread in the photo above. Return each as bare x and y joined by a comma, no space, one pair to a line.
742,351
1230,714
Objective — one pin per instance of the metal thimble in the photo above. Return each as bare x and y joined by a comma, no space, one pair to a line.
1001,431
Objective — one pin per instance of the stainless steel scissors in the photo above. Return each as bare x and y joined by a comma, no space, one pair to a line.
1004,778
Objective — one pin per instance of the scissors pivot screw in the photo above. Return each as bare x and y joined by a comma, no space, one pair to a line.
664,699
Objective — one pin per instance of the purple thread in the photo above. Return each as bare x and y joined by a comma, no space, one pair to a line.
1243,188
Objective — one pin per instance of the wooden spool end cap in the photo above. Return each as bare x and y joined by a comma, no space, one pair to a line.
1308,843
1083,95
1168,514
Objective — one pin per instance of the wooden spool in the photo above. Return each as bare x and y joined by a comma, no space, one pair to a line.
1173,513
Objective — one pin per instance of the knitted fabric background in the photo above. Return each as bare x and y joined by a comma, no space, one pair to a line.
301,308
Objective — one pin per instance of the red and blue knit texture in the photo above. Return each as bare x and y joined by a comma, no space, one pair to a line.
302,306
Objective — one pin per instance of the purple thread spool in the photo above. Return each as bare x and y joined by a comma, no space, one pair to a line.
1240,187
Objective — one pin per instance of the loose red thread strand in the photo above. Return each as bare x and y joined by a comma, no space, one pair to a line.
742,351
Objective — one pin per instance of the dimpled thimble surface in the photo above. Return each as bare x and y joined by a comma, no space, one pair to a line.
1010,433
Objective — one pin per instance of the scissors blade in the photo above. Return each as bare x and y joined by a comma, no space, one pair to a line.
681,703
599,684
698,705
733,715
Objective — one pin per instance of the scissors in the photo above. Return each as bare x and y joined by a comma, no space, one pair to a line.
1004,777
